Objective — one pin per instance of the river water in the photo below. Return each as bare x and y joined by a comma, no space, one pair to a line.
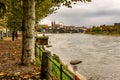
100,54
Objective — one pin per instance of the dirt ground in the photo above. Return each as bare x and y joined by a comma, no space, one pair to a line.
10,68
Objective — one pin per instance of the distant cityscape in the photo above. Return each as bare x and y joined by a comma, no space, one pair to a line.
61,28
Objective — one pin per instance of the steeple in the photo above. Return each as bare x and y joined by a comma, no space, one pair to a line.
53,23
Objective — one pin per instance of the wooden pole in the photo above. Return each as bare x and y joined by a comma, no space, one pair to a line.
46,65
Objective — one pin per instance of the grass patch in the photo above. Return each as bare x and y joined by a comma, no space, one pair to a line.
56,69
39,58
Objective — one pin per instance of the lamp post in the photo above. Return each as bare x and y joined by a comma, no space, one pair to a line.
75,68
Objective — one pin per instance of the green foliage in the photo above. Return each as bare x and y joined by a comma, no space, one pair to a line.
44,8
3,21
2,9
39,58
56,71
68,3
37,61
56,57
14,15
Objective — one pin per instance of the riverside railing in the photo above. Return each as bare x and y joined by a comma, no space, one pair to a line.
51,68
61,70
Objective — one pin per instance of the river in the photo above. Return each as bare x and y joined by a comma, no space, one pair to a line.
100,54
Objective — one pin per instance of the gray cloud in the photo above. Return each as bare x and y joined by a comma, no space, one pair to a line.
97,12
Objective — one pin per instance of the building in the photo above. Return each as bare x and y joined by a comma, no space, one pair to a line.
116,24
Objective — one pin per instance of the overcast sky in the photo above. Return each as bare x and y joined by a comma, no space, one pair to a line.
95,13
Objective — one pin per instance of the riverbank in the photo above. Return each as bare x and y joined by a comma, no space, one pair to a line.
10,68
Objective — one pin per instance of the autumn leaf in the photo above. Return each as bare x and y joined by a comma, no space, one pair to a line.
37,73
26,76
1,73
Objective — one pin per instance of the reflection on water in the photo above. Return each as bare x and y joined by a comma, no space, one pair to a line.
100,54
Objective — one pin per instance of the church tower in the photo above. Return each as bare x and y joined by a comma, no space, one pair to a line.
53,23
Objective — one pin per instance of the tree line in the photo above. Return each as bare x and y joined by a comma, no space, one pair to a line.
104,29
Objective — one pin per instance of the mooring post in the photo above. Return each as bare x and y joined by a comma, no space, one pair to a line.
46,65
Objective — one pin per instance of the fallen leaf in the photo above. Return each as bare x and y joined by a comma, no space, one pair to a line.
1,73
26,76
36,73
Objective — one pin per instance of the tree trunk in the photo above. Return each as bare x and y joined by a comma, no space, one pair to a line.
28,48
